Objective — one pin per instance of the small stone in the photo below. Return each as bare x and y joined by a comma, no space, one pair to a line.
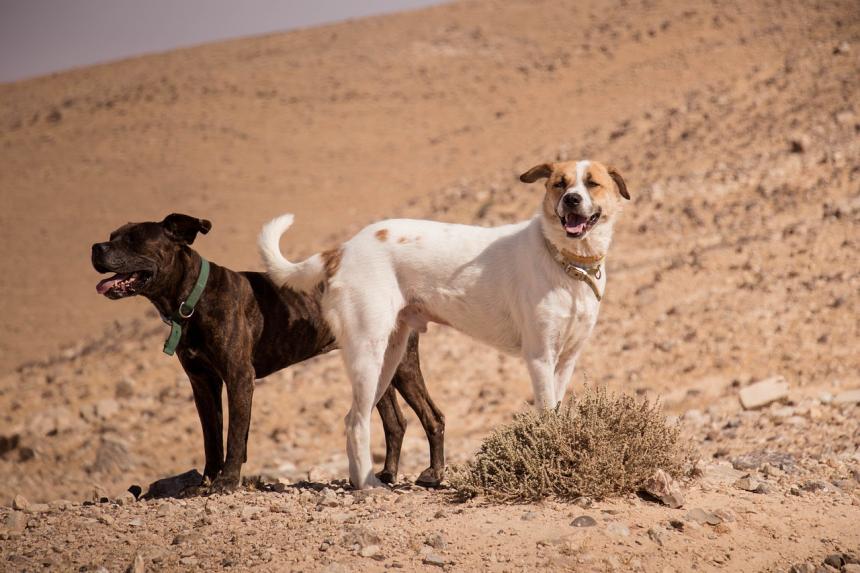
20,503
434,559
136,522
834,560
436,541
584,521
106,519
764,392
700,516
847,397
583,502
664,488
16,522
656,536
528,516
188,560
137,565
99,495
165,510
851,568
369,551
125,498
38,508
763,488
618,528
251,512
124,388
814,485
842,48
747,483
187,537
106,408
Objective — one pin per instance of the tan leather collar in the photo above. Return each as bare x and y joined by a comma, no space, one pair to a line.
587,269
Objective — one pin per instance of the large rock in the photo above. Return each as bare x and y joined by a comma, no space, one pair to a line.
174,486
763,392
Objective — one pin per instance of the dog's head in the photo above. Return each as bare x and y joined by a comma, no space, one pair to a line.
580,195
140,254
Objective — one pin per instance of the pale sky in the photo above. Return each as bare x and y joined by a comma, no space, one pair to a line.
38,37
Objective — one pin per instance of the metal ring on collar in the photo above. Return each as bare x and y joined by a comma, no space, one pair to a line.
182,314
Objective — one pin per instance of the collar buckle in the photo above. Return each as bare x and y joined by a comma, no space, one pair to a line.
184,305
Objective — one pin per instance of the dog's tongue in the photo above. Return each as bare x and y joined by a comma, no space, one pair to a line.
108,283
574,224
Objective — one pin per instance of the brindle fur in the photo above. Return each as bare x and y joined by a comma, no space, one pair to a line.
244,328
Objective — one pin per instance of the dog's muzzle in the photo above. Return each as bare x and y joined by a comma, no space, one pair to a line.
122,284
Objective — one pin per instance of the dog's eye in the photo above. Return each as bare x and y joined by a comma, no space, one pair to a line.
592,183
561,184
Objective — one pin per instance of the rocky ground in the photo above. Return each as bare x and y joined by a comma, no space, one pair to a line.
733,296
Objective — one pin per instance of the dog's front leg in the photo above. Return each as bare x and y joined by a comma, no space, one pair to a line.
206,385
541,361
240,391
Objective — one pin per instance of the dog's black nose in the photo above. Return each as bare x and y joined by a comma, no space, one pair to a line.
100,249
572,199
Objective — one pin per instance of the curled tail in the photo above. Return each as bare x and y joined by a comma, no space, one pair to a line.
303,276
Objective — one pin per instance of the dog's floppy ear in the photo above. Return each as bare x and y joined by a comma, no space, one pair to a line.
622,186
184,228
537,172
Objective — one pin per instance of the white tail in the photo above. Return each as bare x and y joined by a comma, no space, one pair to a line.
303,276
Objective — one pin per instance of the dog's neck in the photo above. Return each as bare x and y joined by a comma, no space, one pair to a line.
178,281
593,246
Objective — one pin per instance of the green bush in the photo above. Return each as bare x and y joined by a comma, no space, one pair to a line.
597,445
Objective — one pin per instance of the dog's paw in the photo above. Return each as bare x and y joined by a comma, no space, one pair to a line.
224,484
386,476
430,478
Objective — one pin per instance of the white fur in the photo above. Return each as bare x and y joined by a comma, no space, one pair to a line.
303,276
499,285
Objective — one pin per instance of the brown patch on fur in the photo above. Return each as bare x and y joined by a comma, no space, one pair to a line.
331,260
381,234
604,192
564,171
402,240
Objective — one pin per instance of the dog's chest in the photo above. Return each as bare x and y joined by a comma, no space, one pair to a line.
572,312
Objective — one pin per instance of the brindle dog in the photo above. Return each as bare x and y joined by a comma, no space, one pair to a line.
244,328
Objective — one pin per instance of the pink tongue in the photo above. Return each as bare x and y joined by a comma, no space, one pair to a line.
575,229
106,284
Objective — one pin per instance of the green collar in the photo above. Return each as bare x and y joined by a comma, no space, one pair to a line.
186,309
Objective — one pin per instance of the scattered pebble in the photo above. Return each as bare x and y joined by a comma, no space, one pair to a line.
765,391
584,521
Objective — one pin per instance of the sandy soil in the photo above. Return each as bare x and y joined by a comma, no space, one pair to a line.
736,126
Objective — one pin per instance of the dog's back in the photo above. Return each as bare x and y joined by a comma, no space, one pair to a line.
287,325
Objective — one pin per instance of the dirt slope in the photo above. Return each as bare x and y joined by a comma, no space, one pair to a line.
738,130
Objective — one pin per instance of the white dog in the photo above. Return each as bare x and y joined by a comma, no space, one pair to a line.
531,288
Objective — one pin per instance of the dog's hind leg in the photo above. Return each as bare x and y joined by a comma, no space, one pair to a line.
410,383
206,386
370,363
394,426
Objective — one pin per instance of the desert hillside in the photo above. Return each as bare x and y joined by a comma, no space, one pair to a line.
737,128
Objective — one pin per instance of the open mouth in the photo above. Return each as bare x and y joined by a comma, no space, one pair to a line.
576,226
123,284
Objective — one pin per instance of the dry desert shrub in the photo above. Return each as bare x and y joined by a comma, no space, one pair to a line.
597,444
